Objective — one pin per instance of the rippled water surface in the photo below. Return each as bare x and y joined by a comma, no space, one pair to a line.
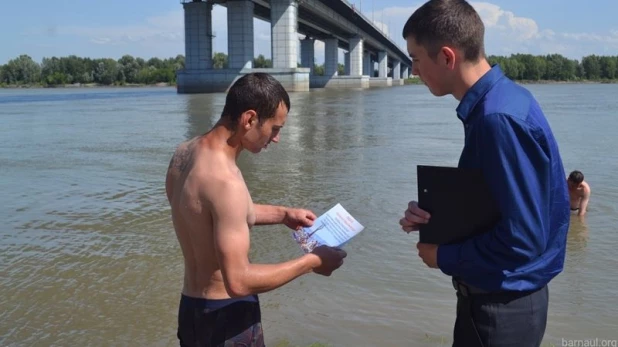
88,255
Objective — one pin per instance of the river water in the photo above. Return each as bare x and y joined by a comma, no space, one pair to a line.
88,255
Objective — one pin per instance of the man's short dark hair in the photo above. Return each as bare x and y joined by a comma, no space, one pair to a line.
441,23
256,91
576,177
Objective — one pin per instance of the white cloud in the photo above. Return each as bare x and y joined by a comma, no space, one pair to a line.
101,40
611,38
507,23
507,33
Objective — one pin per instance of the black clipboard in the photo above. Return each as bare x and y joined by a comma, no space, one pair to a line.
459,201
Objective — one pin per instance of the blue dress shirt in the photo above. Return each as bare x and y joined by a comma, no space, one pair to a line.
509,139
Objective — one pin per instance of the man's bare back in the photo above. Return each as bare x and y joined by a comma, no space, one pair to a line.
196,168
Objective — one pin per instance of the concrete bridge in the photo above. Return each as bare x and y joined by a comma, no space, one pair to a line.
335,22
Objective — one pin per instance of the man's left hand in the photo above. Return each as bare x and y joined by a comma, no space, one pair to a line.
296,218
429,254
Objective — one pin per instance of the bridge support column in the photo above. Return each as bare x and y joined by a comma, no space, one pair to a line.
397,73
356,56
383,64
240,34
367,68
198,47
331,79
284,41
346,63
283,19
307,53
406,73
331,57
198,35
284,46
396,70
382,80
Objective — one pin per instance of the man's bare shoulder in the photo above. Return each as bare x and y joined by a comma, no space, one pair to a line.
217,184
181,159
216,179
586,188
226,198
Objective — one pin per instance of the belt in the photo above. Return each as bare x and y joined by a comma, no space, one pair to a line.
466,289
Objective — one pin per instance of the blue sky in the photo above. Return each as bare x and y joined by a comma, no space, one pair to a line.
147,29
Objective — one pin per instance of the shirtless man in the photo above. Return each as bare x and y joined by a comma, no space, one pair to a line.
212,213
579,192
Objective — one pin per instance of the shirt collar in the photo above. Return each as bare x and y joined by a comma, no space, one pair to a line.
478,91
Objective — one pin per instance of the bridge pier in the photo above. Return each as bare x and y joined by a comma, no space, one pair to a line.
198,76
240,34
353,77
284,46
198,46
331,57
367,64
284,36
356,56
307,54
382,80
397,81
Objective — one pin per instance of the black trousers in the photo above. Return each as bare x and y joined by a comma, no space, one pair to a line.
501,319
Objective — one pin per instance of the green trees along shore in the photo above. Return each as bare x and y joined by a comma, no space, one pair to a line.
128,70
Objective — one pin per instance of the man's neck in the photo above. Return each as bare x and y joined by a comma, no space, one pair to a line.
222,138
470,74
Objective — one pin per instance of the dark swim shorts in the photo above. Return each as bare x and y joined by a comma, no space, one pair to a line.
232,322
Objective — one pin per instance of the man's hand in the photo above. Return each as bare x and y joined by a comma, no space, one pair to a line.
328,259
296,218
413,217
429,254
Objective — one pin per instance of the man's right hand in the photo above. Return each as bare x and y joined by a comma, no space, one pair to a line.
413,217
328,259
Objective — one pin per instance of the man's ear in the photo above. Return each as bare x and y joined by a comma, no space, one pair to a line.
248,119
448,57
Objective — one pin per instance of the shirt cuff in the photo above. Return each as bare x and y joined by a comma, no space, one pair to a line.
448,258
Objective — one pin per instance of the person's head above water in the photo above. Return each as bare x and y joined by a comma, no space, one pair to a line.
575,178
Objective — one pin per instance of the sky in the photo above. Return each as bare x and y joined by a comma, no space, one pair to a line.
113,28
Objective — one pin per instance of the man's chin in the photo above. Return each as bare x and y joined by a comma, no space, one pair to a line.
437,93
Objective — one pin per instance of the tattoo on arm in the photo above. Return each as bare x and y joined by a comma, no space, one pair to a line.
180,160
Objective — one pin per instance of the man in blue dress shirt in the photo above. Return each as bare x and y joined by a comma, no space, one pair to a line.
501,276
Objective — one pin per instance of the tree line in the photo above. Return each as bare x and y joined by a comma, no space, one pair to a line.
555,67
54,71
